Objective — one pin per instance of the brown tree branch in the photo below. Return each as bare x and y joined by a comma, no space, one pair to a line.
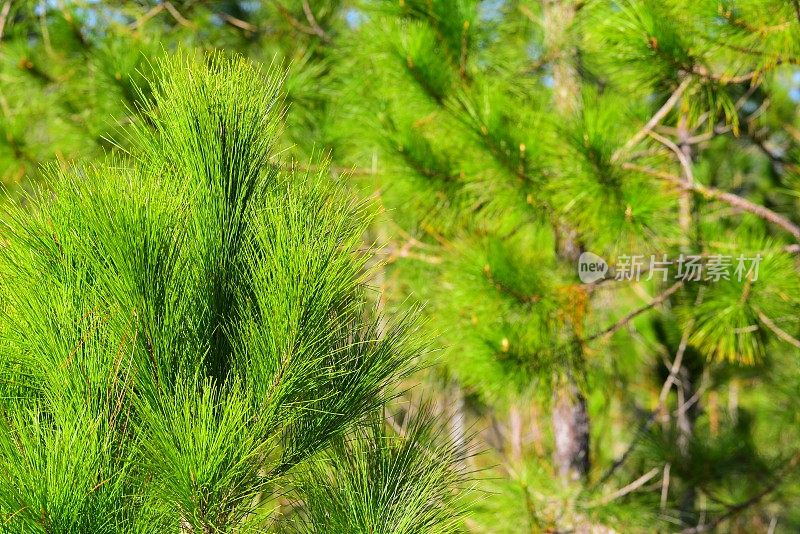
238,23
635,313
785,336
314,29
755,499
729,198
314,25
630,488
174,13
682,157
177,15
724,79
147,16
4,16
654,120
674,369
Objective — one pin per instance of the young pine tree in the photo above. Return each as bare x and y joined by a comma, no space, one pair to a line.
186,344
506,138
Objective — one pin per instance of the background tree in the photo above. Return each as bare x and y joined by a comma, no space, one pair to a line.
510,137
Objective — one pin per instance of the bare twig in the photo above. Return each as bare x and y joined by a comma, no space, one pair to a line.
707,136
654,120
736,508
183,21
704,385
630,488
349,171
296,24
314,25
724,79
299,26
147,16
729,198
747,77
682,157
238,23
393,254
398,428
665,485
674,368
627,318
176,15
4,16
785,336
745,205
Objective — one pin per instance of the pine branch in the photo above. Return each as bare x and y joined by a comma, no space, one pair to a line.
238,23
635,313
177,15
462,57
674,369
682,157
723,196
730,16
782,334
152,12
313,24
654,120
630,488
755,499
75,28
740,102
174,13
314,29
724,79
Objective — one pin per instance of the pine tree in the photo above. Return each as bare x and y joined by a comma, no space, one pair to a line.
505,139
186,342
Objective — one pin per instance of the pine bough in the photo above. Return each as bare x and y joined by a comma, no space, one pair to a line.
186,343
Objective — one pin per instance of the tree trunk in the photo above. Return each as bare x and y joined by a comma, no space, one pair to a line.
686,418
571,432
458,419
515,433
570,417
558,16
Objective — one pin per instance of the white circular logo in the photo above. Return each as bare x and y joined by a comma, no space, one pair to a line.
591,267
